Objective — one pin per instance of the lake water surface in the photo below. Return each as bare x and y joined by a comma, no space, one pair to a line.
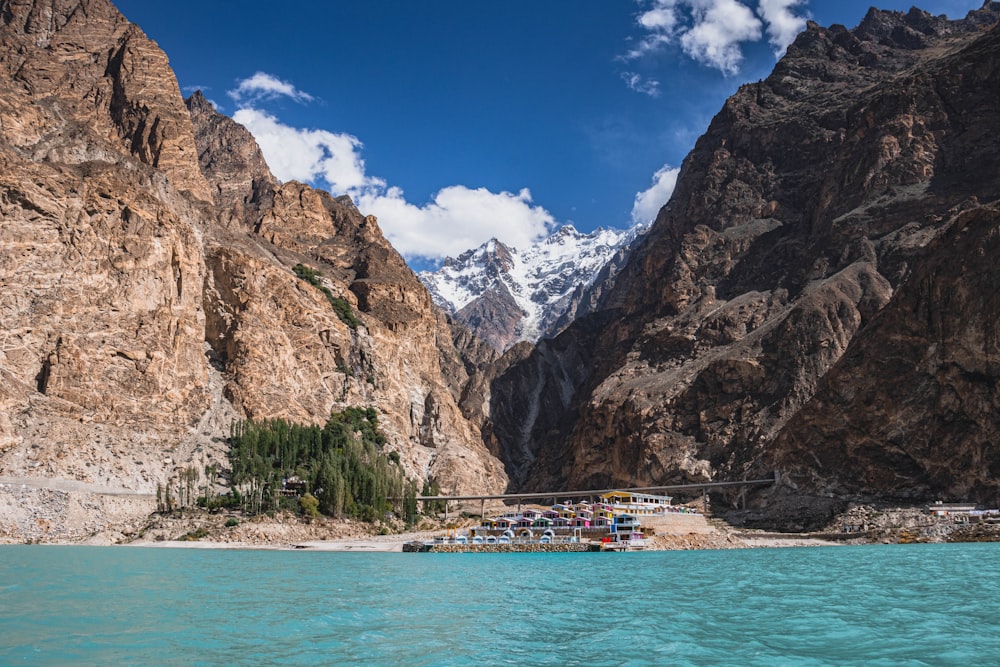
871,605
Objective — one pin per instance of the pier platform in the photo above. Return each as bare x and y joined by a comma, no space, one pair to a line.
513,547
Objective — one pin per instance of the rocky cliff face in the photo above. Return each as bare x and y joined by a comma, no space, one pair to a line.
147,290
102,267
807,220
286,352
241,180
505,295
911,410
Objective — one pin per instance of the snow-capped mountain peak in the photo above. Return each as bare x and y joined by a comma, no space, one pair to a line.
506,295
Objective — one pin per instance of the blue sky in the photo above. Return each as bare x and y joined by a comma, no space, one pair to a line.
458,121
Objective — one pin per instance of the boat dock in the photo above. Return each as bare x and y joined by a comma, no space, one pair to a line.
617,521
511,547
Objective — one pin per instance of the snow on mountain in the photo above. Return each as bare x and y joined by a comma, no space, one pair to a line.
505,295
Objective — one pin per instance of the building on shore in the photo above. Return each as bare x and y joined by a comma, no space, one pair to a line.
613,522
962,512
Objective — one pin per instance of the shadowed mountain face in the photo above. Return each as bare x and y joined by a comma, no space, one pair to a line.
831,213
148,289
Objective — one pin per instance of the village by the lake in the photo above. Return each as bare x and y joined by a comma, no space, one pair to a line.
617,521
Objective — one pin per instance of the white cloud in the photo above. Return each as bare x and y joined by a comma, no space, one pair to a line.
264,86
713,31
649,202
307,155
782,23
642,85
661,23
719,28
458,218
661,18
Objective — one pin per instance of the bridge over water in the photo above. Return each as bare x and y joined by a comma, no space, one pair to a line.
519,498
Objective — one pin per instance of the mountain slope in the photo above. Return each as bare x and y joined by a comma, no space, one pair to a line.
911,410
809,209
149,296
504,295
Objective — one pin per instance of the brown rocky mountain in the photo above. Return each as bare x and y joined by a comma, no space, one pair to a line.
401,360
818,297
912,410
148,297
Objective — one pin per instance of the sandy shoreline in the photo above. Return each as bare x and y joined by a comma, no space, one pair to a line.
374,544
325,545
199,530
783,542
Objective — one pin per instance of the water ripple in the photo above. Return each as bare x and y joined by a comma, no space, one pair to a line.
876,605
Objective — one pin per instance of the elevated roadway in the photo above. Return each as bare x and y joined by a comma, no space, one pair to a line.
519,498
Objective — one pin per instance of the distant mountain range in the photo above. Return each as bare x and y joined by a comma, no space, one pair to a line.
505,295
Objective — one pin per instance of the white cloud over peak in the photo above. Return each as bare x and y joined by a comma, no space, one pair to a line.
713,31
782,23
649,202
307,155
457,217
719,28
264,86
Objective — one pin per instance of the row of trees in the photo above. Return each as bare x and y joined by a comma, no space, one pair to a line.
340,465
183,489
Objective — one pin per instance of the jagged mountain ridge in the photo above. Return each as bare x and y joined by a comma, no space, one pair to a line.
741,331
505,295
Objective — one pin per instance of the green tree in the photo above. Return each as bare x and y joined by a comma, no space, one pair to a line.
410,510
309,505
342,464
432,507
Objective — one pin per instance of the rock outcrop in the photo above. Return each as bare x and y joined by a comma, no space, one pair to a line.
102,262
912,410
148,295
805,302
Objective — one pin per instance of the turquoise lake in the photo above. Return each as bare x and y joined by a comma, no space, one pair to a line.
872,605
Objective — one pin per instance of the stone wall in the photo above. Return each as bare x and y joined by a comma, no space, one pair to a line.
676,524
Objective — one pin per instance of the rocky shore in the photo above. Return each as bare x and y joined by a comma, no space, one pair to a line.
864,524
